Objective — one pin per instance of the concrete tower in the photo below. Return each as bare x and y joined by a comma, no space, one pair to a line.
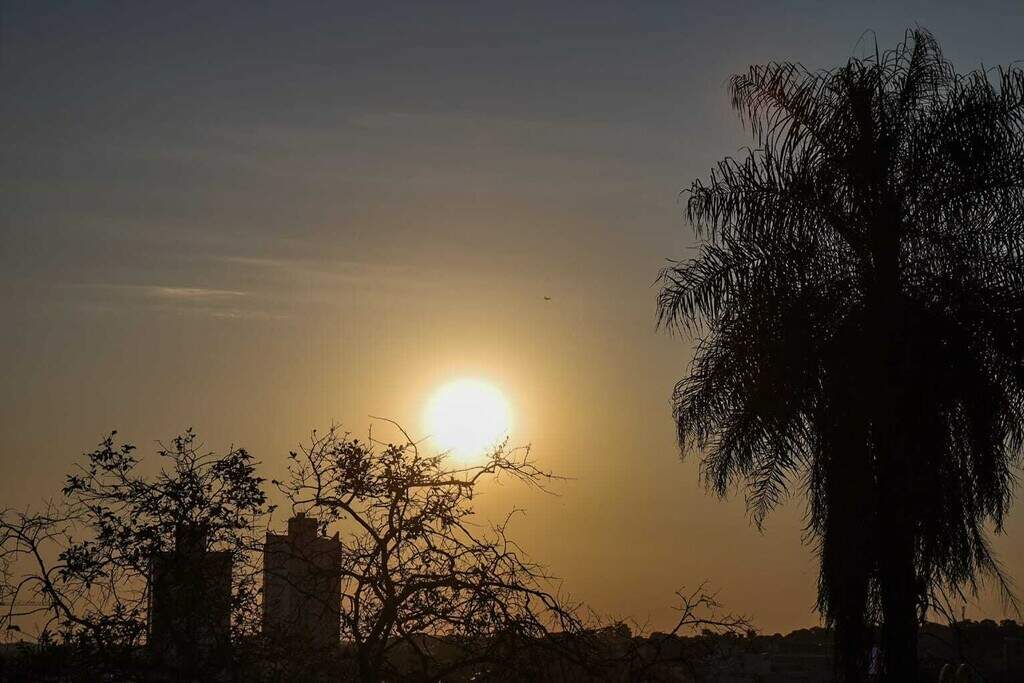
190,597
302,585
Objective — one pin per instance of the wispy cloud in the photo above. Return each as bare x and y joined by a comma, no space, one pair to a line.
160,291
205,301
254,286
188,293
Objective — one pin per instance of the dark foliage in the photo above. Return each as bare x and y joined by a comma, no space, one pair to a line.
857,301
85,562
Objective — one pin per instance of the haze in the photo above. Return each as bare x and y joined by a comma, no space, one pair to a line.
259,218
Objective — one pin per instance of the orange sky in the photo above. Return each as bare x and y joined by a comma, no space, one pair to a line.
258,222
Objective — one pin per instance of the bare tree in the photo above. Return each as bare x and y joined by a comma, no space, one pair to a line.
702,645
425,589
32,588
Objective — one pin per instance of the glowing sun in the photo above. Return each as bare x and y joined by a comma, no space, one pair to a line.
467,417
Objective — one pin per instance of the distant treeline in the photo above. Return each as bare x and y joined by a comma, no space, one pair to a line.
992,651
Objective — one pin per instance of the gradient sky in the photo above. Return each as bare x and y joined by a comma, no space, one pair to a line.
255,218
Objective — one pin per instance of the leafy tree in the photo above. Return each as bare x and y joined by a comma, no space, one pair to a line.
87,559
857,300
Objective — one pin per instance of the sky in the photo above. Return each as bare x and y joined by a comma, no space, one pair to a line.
259,218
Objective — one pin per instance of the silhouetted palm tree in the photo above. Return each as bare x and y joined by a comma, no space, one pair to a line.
857,300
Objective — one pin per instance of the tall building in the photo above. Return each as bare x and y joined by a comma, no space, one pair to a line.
302,585
190,598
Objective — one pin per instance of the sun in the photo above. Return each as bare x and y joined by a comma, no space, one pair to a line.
467,417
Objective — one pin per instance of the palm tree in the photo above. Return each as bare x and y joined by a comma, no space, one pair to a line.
858,305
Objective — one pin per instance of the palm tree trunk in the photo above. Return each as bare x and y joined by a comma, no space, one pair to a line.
898,583
847,553
852,636
897,573
897,570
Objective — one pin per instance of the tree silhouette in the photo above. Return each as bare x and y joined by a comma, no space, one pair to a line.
86,561
857,300
411,586
424,588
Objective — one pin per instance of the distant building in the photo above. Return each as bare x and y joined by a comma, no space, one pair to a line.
302,585
190,598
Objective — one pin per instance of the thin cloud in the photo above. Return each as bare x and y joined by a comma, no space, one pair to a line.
165,291
211,302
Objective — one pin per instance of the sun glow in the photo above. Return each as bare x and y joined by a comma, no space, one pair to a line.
467,417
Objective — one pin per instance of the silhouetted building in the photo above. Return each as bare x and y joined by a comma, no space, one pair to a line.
190,598
302,585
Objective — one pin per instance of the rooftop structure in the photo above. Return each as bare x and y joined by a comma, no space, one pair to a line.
190,603
302,585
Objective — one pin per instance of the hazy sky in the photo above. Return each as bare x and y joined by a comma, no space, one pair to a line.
255,218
